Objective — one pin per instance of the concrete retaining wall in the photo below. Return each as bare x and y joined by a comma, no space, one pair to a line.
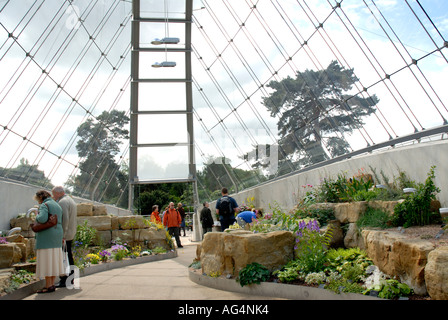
415,161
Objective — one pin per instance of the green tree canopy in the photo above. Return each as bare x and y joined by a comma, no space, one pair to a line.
315,110
101,177
162,194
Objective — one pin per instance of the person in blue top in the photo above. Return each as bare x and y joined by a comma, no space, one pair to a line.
245,217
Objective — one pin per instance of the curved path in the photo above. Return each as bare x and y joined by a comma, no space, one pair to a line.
159,280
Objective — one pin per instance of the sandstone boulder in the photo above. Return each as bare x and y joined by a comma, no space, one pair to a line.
22,222
148,238
99,210
229,252
353,237
126,236
387,206
10,253
22,243
436,274
349,212
152,238
100,223
115,225
151,234
323,205
131,222
337,235
5,276
84,209
396,255
102,238
31,247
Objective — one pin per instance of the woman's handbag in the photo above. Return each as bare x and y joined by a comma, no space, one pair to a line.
51,222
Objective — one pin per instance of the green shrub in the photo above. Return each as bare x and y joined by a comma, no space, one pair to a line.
320,214
415,210
350,263
290,272
343,189
367,195
195,265
390,289
253,273
332,190
344,285
159,250
84,235
374,218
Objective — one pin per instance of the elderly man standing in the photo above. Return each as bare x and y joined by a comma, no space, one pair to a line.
69,213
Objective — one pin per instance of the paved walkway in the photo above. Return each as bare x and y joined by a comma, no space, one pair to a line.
159,280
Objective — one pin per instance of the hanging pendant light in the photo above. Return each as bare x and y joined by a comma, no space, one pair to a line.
166,40
164,64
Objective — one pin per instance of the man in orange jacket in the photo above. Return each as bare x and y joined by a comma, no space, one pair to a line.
172,220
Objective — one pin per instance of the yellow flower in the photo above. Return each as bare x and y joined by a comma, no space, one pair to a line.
93,258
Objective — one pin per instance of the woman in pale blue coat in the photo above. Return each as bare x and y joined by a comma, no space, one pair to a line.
49,263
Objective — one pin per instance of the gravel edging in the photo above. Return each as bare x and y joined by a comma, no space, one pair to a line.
31,288
278,290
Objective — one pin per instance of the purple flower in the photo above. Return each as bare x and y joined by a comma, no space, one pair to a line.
118,247
104,253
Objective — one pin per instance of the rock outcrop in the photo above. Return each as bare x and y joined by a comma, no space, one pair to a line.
100,223
10,253
436,274
229,252
349,212
396,255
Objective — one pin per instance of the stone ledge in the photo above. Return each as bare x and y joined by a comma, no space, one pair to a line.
277,290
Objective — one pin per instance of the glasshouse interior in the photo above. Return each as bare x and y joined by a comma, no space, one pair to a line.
224,150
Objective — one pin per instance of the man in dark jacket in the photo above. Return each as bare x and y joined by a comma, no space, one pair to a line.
206,219
226,208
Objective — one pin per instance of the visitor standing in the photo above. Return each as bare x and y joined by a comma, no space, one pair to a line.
226,207
49,257
163,213
206,219
181,211
172,220
155,215
69,224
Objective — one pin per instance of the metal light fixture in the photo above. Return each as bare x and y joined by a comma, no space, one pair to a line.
164,64
166,40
